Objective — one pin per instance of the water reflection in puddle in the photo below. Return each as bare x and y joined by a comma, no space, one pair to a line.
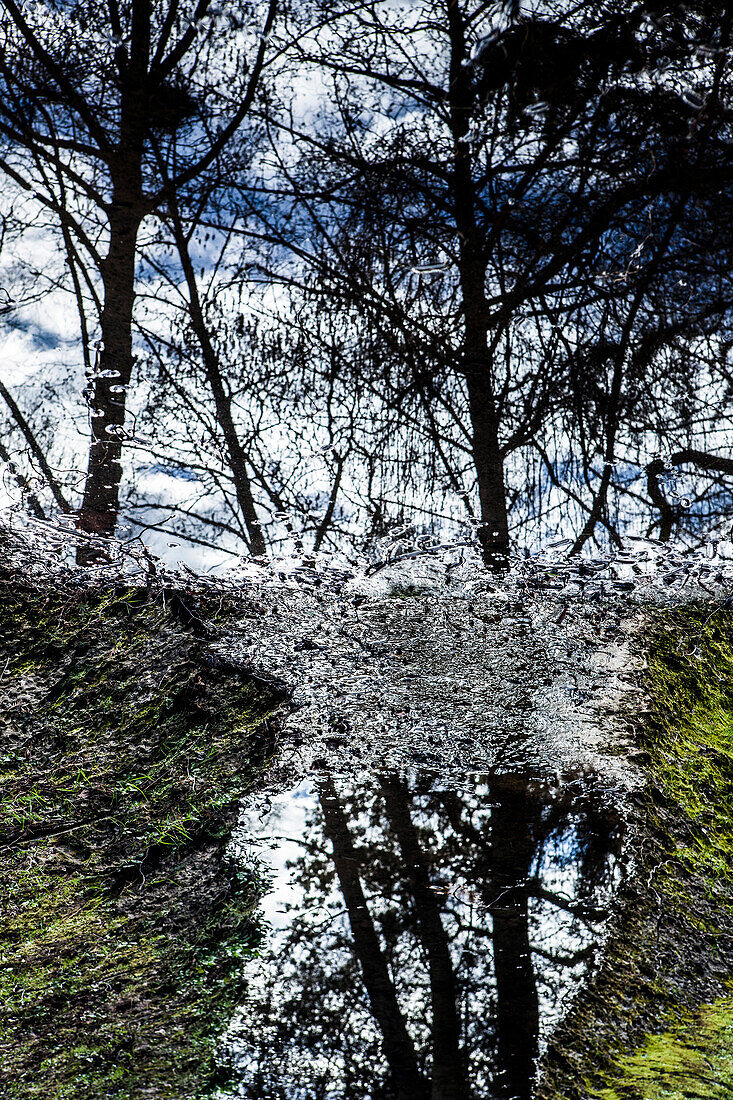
424,938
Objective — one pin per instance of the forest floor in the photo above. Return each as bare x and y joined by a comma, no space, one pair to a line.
126,745
136,717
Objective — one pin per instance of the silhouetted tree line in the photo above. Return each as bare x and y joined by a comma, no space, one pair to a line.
354,265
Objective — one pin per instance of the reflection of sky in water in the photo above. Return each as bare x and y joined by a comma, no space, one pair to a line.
275,837
285,1046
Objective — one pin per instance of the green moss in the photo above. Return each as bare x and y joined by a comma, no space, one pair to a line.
690,736
670,943
692,1059
125,746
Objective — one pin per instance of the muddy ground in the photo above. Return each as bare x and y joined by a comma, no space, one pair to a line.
135,718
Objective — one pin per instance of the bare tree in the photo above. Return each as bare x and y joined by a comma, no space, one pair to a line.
467,181
94,101
430,939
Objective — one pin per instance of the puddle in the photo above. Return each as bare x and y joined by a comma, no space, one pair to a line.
424,938
481,679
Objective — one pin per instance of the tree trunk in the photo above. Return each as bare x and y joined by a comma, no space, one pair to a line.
100,505
222,399
449,1059
517,1006
473,258
113,369
489,463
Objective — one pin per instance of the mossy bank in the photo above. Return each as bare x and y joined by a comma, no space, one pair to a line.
655,1022
124,748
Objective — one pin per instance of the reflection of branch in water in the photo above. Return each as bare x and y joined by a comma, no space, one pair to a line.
311,927
512,852
583,954
449,1068
396,1042
588,914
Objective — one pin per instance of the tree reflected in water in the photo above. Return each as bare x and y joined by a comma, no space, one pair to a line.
427,938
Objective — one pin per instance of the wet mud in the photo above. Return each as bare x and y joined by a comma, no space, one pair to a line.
255,845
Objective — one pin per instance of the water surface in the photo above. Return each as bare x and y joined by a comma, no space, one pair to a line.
424,938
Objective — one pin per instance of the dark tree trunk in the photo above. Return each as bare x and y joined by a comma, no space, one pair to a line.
489,463
100,506
449,1059
517,1006
108,389
473,258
